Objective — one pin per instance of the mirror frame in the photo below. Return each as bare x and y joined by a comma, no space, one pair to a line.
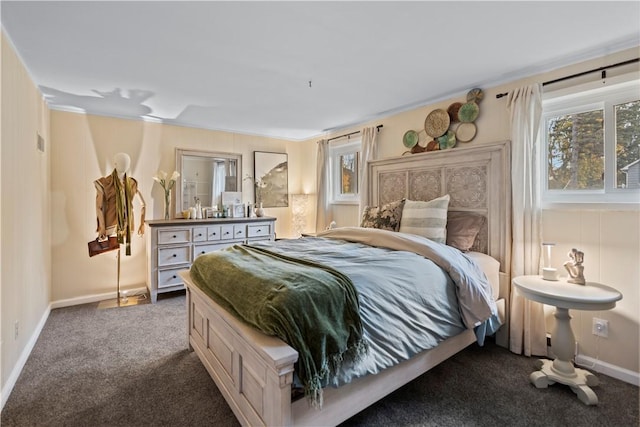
181,152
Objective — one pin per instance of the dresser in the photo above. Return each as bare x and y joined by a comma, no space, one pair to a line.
173,244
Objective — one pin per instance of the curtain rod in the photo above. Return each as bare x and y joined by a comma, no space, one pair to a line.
572,76
352,133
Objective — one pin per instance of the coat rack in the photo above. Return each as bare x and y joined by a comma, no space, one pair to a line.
125,189
123,300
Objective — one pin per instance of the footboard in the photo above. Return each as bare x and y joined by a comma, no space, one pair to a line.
253,371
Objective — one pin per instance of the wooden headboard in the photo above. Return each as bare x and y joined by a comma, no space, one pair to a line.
477,177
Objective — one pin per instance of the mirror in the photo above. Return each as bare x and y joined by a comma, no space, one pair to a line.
205,175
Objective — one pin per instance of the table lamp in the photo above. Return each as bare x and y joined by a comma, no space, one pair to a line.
548,272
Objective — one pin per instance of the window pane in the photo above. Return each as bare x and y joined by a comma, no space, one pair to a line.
349,173
576,151
628,145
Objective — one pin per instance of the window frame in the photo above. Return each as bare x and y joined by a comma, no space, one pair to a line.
353,145
587,97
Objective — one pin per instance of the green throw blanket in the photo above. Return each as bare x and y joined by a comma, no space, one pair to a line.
311,307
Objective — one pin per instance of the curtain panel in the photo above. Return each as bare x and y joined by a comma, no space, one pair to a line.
323,213
368,151
527,327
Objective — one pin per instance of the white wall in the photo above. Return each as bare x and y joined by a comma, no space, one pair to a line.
25,245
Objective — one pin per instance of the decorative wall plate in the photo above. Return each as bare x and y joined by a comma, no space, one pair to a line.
410,138
466,131
417,149
475,95
437,123
453,111
433,145
468,112
447,140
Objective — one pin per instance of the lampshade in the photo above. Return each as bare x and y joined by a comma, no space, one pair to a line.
299,212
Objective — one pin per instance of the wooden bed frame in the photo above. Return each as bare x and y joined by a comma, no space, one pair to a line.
254,372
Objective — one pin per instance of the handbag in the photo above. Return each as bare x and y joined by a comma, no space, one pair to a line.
97,247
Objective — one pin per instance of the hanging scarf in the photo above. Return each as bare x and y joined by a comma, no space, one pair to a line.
124,209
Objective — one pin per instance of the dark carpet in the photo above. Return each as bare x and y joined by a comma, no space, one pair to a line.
130,366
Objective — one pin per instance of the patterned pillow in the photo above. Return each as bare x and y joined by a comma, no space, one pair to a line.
462,229
427,219
385,217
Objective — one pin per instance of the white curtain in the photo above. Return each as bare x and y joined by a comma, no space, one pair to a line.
323,214
368,151
217,184
527,326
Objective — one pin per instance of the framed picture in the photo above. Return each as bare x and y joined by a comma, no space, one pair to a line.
270,171
231,197
238,211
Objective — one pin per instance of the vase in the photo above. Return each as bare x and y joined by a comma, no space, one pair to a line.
259,210
167,204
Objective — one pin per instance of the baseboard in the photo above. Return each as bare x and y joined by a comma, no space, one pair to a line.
605,368
22,360
608,369
87,299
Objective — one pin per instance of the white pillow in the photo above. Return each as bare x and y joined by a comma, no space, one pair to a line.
427,219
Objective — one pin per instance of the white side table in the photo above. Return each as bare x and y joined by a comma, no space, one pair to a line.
565,296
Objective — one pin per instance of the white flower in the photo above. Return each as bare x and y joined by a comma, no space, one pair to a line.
161,178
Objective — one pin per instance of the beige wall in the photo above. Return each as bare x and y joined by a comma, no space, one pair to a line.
45,230
610,239
25,245
83,146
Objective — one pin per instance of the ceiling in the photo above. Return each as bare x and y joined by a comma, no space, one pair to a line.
296,70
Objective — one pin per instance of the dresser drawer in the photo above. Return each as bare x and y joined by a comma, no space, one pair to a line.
169,277
167,237
174,255
199,234
240,231
214,232
259,230
226,232
203,249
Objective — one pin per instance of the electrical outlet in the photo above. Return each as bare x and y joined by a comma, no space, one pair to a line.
600,327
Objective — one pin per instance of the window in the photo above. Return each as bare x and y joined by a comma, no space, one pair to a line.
345,164
591,144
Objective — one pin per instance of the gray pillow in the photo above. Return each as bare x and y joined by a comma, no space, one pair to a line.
385,217
463,228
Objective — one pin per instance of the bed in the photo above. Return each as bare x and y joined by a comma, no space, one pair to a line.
255,371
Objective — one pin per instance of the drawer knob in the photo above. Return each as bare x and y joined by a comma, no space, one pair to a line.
202,253
200,235
239,232
174,236
213,233
174,276
174,255
259,230
226,232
